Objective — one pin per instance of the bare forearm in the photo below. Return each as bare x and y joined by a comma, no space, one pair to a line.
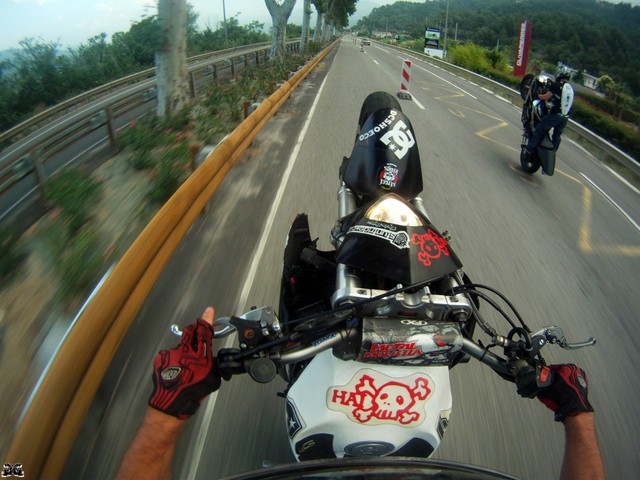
582,458
151,452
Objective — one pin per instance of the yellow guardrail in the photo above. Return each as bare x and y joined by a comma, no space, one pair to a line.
51,423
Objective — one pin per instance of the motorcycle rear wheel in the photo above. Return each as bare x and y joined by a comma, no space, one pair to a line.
529,163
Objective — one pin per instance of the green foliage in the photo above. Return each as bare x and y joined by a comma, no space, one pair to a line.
141,137
472,57
625,137
314,47
599,37
75,258
13,252
40,75
172,169
233,35
74,192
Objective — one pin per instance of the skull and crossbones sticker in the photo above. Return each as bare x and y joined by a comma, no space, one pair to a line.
373,399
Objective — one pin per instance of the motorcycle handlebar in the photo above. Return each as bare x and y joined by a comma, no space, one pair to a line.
520,354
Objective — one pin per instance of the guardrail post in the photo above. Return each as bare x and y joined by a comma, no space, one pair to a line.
192,84
35,156
233,68
110,127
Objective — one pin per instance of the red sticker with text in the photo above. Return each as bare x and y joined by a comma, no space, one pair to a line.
372,398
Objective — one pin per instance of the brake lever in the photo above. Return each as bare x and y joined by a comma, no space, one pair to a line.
555,335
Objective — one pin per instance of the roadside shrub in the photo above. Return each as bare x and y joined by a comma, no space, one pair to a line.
470,56
172,169
13,252
75,193
314,47
624,137
76,259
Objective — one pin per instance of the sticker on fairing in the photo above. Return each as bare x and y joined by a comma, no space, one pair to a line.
388,176
371,398
399,139
432,246
397,239
294,419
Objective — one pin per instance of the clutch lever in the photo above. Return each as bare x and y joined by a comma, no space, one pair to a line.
226,330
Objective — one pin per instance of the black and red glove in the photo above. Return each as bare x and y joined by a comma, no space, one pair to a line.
567,394
184,375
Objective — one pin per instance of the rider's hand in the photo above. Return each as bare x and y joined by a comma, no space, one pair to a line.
184,375
567,394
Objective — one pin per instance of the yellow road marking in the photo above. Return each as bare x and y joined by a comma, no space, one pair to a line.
584,241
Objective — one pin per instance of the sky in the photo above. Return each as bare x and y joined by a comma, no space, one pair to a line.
71,22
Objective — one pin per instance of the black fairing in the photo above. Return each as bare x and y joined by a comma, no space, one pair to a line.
407,255
385,157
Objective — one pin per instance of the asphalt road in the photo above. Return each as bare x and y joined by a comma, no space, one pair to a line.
565,249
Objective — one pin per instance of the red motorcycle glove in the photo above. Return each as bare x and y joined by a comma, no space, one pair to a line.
567,395
184,375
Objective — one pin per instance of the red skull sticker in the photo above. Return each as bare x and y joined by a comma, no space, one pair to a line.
370,401
431,245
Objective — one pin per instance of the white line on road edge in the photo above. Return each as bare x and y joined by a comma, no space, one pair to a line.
211,402
413,97
447,81
374,61
621,178
625,214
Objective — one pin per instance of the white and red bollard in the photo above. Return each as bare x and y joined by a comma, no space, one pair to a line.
404,83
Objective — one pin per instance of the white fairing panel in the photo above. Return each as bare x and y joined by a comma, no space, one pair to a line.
567,98
374,404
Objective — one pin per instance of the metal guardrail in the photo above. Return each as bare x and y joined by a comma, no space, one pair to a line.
57,409
26,165
603,148
98,91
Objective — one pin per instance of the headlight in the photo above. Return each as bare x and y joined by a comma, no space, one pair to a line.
393,209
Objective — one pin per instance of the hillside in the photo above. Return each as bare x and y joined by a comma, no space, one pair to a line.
590,35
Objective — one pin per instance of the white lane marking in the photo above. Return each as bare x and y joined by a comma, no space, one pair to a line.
621,178
447,81
374,61
618,207
257,255
415,100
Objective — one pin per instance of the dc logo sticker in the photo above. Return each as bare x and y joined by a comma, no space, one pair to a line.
399,139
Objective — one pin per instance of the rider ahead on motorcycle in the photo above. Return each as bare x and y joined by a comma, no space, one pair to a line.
549,92
185,375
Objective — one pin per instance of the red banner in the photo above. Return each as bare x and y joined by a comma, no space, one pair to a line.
522,50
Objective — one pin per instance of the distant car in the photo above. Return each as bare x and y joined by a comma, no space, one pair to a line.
366,41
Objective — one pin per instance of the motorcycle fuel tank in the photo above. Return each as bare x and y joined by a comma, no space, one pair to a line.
342,408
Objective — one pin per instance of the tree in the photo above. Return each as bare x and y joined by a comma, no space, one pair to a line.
280,10
321,10
171,57
306,17
614,92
